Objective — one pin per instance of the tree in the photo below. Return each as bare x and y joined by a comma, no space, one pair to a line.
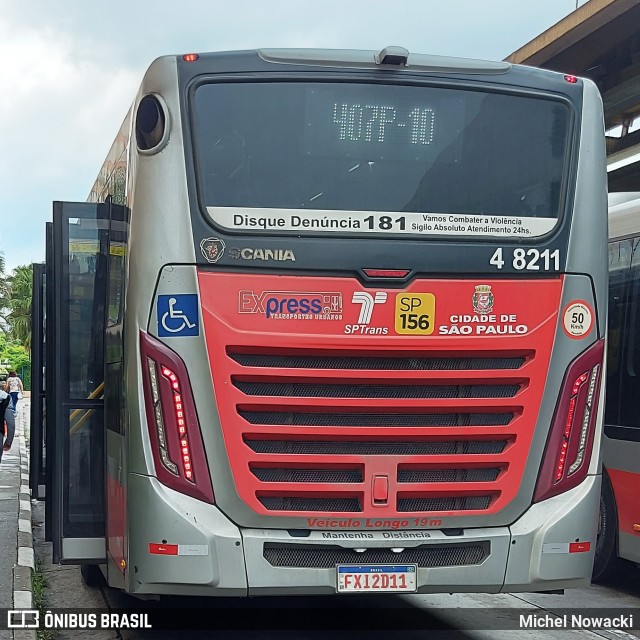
4,296
20,285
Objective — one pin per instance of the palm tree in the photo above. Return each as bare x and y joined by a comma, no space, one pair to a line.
19,318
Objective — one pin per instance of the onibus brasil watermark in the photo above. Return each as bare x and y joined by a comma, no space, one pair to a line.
34,619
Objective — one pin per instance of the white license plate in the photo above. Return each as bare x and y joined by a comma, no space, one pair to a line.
378,578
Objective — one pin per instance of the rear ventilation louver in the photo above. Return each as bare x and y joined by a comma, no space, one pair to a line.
379,448
298,390
337,505
307,475
376,363
314,423
305,419
327,557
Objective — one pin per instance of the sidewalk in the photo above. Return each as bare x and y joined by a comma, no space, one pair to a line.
16,558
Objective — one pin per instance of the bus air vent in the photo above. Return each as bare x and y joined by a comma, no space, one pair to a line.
326,557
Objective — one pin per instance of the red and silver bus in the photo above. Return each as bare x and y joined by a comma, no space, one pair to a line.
619,531
331,321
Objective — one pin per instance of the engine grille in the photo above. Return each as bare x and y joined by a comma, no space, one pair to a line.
279,474
327,557
380,448
300,425
455,503
447,475
305,390
308,419
375,363
319,420
289,503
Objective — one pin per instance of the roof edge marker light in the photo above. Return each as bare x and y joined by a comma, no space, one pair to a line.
190,57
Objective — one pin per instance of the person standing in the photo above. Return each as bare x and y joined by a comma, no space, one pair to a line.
14,386
6,416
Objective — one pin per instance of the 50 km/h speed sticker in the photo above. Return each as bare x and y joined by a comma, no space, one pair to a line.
577,319
415,313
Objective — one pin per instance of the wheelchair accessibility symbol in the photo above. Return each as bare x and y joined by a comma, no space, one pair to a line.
178,315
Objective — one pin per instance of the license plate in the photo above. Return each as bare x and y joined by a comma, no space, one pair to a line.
364,578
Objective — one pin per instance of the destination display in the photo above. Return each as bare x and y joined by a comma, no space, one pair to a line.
360,158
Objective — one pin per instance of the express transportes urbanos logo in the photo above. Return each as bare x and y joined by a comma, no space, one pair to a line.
292,305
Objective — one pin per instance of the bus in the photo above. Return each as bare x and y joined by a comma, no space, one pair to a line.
331,321
619,529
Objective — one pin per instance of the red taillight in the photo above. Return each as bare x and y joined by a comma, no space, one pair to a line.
190,57
174,431
568,450
571,79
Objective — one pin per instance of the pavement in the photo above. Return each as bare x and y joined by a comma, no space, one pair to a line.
22,531
16,556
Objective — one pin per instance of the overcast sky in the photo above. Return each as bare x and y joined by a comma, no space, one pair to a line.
69,70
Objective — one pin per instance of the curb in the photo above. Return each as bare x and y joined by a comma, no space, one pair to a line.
23,570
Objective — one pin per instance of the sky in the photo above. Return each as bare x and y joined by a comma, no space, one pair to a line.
69,70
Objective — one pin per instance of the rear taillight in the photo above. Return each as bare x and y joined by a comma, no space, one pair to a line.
568,452
174,431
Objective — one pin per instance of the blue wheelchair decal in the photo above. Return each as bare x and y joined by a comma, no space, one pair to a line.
178,315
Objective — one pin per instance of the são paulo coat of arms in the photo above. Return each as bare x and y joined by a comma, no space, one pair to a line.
482,299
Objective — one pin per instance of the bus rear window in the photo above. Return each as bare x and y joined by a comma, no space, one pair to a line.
359,158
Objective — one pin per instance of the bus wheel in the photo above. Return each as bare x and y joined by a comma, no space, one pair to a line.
91,575
607,564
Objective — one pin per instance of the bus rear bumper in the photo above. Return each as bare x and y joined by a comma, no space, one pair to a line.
550,547
543,550
553,543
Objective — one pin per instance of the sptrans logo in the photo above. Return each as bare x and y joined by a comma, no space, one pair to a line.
367,303
292,305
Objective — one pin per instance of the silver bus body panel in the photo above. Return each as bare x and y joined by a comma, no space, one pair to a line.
158,185
588,238
213,560
568,517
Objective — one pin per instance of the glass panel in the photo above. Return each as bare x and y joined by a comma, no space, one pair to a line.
118,234
86,308
364,147
84,474
619,261
630,352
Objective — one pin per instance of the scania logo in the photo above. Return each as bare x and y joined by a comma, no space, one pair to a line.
249,253
212,249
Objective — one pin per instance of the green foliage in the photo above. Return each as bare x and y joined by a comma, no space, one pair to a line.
20,285
39,587
13,356
4,296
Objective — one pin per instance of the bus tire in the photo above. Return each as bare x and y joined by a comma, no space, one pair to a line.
91,575
607,564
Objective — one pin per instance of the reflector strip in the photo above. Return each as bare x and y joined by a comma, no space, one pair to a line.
566,547
179,549
163,549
